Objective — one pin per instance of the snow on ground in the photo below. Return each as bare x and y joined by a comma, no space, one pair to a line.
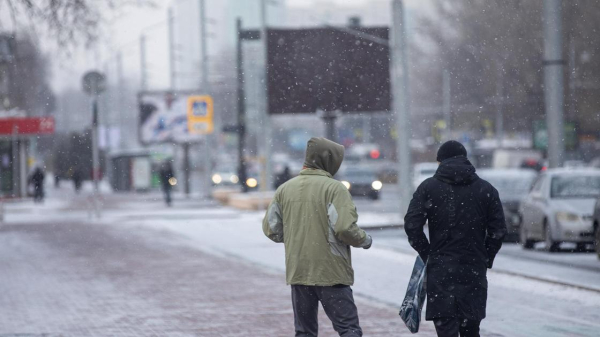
517,305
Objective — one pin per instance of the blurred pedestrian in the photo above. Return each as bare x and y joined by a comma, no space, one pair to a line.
282,177
37,180
77,178
167,179
315,218
466,228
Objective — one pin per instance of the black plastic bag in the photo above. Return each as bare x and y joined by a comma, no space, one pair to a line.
410,311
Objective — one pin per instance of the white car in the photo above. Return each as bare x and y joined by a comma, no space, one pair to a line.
559,208
422,171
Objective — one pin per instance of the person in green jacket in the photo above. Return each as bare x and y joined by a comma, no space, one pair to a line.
315,218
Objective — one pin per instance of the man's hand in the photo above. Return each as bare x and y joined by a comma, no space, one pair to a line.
368,242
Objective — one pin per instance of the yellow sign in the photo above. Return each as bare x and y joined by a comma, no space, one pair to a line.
200,112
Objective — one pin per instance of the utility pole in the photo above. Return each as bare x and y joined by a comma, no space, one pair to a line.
447,105
172,69
266,176
500,107
400,101
553,81
143,75
121,94
241,105
205,83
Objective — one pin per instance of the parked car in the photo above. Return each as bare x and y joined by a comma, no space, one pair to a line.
422,171
559,208
362,181
513,185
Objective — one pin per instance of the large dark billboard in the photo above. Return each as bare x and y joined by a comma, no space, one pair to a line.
327,69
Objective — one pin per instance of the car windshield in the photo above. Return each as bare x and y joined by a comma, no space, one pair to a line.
360,176
575,187
511,187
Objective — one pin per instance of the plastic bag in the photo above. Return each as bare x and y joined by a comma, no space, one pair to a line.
410,311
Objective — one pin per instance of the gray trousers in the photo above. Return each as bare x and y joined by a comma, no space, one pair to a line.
338,304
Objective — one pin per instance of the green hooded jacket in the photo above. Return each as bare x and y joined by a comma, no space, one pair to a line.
314,216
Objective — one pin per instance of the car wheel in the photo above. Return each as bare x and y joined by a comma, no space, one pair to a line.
551,245
525,242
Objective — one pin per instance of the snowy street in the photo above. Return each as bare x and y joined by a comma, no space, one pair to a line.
167,269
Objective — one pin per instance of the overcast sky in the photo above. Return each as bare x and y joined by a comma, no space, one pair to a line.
123,34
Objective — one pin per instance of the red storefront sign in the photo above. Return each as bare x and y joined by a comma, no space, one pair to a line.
27,126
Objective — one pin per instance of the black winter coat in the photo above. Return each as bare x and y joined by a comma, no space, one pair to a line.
466,227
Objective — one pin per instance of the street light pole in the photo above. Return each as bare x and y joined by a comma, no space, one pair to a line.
266,177
553,81
143,75
206,89
400,102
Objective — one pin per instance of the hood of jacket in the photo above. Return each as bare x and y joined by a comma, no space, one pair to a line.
456,171
323,154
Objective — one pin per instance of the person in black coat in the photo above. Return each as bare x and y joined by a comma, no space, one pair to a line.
466,228
37,180
165,174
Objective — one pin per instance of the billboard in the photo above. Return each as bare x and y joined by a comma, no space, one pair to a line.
164,118
327,69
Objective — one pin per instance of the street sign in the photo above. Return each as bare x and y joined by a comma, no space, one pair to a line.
94,83
200,115
540,135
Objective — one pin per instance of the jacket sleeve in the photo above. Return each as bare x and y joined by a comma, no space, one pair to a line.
415,220
343,217
273,221
496,227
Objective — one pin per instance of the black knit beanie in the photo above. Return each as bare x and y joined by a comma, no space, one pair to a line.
451,149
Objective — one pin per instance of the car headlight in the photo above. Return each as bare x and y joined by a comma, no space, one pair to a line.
217,179
251,182
377,185
234,179
345,183
567,217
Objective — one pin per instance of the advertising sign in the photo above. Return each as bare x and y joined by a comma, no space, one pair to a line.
164,118
327,69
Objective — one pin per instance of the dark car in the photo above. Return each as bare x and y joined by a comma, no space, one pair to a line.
596,218
513,186
362,182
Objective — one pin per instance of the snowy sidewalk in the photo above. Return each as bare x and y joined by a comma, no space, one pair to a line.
66,276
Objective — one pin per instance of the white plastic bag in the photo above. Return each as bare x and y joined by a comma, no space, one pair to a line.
410,311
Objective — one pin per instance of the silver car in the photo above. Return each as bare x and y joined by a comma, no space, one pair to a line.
559,208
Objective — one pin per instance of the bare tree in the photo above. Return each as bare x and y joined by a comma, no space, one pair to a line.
68,21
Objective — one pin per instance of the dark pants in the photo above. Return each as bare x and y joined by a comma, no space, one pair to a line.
451,327
167,191
338,304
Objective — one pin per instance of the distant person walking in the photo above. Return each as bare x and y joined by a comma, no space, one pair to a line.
466,228
315,218
282,177
37,180
166,175
77,179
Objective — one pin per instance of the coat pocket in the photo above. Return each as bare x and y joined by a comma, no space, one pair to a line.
337,248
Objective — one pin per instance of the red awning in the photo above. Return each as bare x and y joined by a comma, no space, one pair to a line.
27,126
